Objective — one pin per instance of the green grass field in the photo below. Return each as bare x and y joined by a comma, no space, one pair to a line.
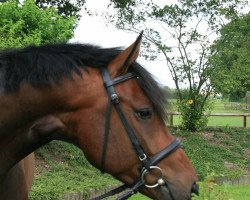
219,192
219,121
218,107
224,192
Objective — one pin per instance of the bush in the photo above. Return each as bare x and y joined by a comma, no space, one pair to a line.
248,97
192,110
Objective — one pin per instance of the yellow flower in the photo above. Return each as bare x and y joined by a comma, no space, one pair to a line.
190,101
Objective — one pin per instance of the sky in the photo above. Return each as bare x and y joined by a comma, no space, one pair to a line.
93,30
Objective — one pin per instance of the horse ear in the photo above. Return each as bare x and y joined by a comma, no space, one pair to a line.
120,64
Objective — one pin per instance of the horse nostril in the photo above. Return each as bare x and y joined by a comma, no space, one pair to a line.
195,188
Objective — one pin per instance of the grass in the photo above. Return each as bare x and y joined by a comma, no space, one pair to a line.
209,151
238,192
219,121
227,121
218,192
218,107
139,197
63,169
223,192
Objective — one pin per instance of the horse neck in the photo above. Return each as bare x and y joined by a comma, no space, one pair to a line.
19,108
19,111
31,115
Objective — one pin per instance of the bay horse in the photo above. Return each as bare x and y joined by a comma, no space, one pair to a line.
102,101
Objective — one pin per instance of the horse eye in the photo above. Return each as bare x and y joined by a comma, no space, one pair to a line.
144,113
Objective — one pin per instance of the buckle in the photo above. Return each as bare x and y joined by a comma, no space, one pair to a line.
142,157
114,98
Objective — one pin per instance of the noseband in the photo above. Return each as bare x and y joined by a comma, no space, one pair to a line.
148,164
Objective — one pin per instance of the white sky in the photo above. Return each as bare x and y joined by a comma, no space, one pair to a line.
93,30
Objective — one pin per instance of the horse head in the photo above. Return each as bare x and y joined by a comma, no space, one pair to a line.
123,131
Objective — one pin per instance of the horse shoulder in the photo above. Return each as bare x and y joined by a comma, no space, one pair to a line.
28,165
13,185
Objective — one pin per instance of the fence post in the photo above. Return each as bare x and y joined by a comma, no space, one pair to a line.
244,121
171,119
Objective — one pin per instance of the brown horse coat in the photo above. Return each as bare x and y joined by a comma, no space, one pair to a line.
56,92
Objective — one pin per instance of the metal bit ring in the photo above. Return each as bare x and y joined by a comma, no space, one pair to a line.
160,180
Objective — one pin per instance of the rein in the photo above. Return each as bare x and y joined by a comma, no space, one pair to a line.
148,164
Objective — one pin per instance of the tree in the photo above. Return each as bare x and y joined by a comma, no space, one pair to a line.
67,8
169,92
28,24
230,59
181,32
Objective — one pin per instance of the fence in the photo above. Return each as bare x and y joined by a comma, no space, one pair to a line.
244,115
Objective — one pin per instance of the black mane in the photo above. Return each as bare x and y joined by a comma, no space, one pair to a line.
39,65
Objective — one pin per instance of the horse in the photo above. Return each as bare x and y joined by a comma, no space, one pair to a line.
99,99
18,180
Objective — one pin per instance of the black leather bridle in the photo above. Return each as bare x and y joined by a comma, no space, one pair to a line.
148,164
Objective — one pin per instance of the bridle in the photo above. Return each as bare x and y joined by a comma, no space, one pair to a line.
148,164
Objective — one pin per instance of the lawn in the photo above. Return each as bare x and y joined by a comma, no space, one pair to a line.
224,192
218,107
219,121
217,192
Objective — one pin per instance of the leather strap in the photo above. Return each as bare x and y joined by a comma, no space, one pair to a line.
165,152
119,79
133,190
114,98
106,135
146,161
112,192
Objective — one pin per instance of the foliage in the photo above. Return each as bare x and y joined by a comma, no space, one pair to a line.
192,111
180,32
27,24
248,97
63,169
170,93
219,106
67,8
230,60
210,151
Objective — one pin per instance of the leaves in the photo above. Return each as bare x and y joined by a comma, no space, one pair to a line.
181,32
230,58
67,8
28,24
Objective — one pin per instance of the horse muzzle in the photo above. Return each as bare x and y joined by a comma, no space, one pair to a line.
167,192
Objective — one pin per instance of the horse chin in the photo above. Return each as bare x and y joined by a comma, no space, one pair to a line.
159,193
164,193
